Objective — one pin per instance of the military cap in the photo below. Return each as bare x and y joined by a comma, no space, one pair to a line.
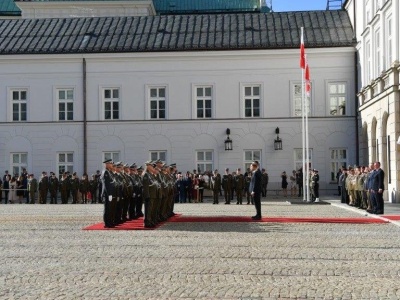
74,174
315,170
108,161
133,166
31,175
118,164
140,168
158,161
173,165
126,166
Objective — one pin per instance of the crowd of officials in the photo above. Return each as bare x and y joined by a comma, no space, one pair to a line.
362,187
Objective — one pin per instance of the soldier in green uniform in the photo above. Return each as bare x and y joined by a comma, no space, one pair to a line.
74,186
53,188
139,193
118,186
128,191
43,188
63,184
93,184
32,188
216,186
239,186
227,186
247,180
149,194
84,187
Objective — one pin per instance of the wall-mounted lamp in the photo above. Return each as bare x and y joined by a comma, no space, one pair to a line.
277,141
228,141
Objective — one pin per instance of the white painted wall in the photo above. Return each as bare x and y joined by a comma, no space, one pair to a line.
181,134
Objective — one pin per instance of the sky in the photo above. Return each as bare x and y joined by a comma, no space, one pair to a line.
299,5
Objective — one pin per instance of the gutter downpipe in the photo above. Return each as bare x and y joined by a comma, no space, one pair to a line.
84,116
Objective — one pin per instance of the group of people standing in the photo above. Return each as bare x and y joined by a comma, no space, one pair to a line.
236,183
125,188
25,188
362,187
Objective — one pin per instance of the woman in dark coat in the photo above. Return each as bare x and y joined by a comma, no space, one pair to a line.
284,183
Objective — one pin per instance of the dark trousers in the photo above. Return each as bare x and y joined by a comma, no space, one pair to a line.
215,196
257,204
316,190
300,190
227,195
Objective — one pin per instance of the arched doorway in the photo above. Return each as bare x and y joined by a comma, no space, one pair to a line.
374,155
384,151
364,145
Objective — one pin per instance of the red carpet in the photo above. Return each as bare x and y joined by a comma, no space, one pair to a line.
392,218
237,219
138,224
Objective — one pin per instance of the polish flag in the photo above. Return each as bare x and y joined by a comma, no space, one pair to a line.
302,52
307,78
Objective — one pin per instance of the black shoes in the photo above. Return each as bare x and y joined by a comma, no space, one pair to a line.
256,217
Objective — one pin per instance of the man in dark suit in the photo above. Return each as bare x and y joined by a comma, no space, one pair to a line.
255,188
377,188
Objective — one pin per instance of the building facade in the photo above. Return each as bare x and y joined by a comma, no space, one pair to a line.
377,28
169,87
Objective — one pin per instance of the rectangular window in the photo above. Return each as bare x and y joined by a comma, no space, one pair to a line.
252,101
157,103
19,105
65,99
111,103
367,62
338,159
204,161
297,101
378,54
114,156
18,162
389,46
65,162
337,99
298,159
250,156
158,155
204,102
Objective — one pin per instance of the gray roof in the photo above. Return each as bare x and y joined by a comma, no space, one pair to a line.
176,33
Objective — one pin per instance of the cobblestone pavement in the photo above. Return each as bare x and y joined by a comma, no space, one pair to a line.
45,254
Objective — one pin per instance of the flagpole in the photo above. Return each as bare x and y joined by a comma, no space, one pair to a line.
307,94
302,115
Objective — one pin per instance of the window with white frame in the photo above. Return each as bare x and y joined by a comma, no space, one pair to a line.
158,155
114,156
65,99
378,53
252,101
389,40
204,102
204,160
19,161
297,101
111,103
298,159
337,98
367,62
250,156
19,105
338,159
157,103
65,162
368,11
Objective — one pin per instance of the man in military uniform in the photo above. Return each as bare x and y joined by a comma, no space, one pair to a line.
118,188
149,195
239,185
93,185
107,192
32,188
43,188
216,186
227,186
74,186
247,180
84,187
264,182
63,184
127,191
53,188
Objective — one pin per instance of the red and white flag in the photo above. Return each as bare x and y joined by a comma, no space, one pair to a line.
302,51
307,78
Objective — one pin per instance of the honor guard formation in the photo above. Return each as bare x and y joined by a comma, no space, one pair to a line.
125,188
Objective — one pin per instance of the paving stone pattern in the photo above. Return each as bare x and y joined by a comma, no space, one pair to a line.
45,254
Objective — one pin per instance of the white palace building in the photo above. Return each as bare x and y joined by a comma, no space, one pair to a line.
118,79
